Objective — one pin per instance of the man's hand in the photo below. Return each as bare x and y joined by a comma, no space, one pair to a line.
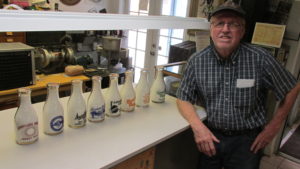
264,137
205,140
203,136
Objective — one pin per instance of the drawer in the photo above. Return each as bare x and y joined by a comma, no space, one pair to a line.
13,39
12,34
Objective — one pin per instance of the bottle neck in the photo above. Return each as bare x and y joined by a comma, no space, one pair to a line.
128,80
143,78
53,93
113,84
96,86
159,75
25,99
76,89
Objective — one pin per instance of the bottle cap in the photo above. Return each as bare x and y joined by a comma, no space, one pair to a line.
76,81
97,78
114,75
52,85
24,90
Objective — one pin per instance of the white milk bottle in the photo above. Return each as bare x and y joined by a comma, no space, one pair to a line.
53,112
127,93
96,103
76,111
26,119
142,90
158,88
113,99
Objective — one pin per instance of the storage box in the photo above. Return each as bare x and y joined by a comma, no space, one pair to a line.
16,65
181,51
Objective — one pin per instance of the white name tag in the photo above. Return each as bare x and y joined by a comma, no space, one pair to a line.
244,83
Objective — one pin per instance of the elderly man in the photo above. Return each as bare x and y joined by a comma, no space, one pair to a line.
231,79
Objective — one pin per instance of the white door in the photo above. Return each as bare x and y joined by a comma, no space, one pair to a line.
148,48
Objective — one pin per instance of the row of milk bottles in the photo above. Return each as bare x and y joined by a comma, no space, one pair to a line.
26,119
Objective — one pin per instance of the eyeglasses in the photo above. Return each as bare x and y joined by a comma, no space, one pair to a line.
231,25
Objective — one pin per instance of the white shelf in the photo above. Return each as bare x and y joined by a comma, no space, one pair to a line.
20,21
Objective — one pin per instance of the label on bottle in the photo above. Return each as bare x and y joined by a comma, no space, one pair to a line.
115,106
80,120
128,105
130,102
27,133
57,123
146,98
159,96
97,113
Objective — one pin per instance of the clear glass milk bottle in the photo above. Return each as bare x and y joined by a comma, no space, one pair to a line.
142,90
26,119
127,93
76,111
158,88
113,99
96,103
53,112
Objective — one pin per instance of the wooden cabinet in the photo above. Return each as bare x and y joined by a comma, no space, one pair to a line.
13,37
144,160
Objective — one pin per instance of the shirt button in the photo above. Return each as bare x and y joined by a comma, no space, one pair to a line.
226,83
225,114
226,99
227,68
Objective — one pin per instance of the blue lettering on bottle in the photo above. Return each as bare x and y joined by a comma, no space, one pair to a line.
97,112
57,123
80,119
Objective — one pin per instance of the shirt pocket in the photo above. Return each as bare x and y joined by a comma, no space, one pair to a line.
244,97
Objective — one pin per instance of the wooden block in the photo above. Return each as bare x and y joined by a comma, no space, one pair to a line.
144,160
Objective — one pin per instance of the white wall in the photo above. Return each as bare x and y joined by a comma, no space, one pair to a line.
117,6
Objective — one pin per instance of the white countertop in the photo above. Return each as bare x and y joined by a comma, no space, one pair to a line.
97,145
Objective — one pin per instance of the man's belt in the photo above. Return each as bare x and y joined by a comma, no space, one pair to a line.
227,132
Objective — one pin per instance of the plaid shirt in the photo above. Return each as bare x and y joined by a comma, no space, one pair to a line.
234,90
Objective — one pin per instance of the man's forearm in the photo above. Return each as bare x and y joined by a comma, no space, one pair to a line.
188,112
285,107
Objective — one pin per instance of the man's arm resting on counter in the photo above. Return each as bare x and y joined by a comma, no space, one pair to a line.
273,127
203,136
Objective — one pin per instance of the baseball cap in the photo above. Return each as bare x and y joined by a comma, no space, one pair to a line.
229,6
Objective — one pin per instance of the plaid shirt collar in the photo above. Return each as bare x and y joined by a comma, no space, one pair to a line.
232,59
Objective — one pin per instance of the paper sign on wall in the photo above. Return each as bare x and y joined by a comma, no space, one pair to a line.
268,34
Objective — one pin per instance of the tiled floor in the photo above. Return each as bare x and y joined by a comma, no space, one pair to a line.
278,162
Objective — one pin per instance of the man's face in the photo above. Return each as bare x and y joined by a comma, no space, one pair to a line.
226,31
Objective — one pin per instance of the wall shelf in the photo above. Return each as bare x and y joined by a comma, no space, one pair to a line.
22,21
